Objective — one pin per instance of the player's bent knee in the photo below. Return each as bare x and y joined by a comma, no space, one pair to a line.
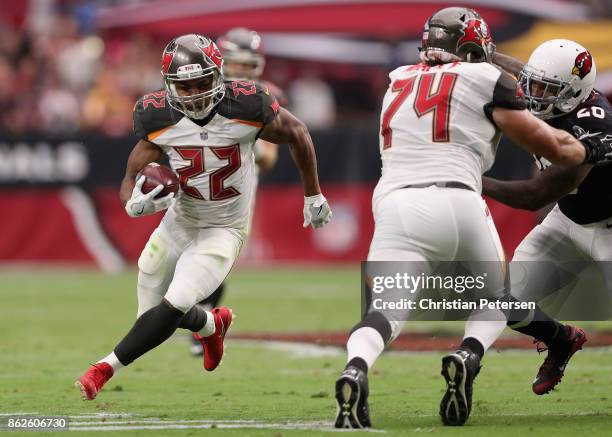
152,262
154,273
147,299
184,293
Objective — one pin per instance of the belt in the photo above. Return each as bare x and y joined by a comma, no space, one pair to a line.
451,184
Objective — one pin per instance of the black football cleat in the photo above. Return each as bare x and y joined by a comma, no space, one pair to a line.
459,370
559,353
352,399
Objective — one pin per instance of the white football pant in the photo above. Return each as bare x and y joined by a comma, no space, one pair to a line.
185,264
558,252
437,224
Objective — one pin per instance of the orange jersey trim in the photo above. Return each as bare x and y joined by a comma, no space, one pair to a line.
157,133
250,123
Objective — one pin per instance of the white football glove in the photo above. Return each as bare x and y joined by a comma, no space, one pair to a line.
316,211
145,204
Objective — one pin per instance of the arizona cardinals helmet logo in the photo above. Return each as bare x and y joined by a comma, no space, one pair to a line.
475,31
582,64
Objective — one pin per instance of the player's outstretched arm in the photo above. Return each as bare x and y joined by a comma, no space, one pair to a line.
508,63
533,194
538,138
285,128
142,154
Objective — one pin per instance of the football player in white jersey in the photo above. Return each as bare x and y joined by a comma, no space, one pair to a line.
243,60
557,84
208,130
440,124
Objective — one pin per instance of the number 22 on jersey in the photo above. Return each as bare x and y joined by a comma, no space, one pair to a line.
425,102
195,157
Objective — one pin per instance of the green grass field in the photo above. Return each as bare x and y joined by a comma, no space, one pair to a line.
54,323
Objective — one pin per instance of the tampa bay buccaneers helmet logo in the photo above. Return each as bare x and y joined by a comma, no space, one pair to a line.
213,53
582,64
475,31
168,56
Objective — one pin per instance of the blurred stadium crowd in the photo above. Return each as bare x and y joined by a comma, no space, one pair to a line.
71,71
65,80
59,73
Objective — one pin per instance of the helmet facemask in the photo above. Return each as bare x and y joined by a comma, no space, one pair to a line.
542,94
199,105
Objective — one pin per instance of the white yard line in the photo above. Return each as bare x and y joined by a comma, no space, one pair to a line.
160,424
311,350
132,422
20,413
294,349
101,415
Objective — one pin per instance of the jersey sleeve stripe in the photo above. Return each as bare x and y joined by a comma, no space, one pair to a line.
250,123
157,133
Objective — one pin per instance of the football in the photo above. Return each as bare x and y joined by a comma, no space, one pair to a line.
157,174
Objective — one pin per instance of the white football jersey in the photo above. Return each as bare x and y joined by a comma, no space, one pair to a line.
214,161
435,125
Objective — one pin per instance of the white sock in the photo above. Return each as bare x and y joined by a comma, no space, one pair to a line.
112,360
485,326
209,327
365,343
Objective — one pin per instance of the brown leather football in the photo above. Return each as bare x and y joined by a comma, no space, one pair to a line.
157,174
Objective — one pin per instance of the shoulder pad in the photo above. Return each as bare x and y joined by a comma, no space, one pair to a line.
276,92
248,101
507,94
153,113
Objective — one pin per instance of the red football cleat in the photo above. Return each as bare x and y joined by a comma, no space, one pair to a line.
213,344
559,354
93,380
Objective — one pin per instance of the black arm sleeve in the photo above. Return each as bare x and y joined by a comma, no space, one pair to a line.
505,95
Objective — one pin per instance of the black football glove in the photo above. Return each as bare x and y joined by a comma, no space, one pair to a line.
598,146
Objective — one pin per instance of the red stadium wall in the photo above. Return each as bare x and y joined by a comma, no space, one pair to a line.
40,227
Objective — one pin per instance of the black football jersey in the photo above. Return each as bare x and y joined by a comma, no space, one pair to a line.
276,91
592,201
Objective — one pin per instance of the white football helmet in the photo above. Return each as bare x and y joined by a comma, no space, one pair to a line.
559,74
